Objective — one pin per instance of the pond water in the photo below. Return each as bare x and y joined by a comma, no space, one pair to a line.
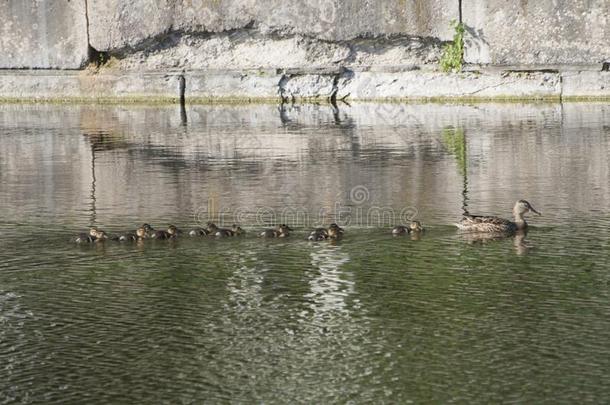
443,318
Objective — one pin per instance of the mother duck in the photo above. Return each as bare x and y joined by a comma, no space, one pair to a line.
488,224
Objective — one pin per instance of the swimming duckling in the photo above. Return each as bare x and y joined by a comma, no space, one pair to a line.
489,224
171,233
175,232
198,232
149,231
138,234
318,234
234,231
87,237
335,231
413,227
211,228
100,236
281,231
237,230
416,226
400,230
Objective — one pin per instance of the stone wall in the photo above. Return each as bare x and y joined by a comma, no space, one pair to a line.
43,34
247,49
535,32
116,24
234,34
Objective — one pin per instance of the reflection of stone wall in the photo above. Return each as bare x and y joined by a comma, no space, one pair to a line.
156,169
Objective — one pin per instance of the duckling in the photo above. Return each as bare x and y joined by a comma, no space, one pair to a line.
138,234
238,231
489,224
234,231
87,237
171,233
284,231
400,230
100,236
211,228
198,232
149,231
335,231
416,226
281,231
318,234
413,227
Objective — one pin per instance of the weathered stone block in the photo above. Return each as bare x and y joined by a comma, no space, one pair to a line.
43,34
422,85
232,85
586,84
339,20
536,32
116,25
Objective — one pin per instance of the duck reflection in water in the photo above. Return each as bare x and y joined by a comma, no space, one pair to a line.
481,238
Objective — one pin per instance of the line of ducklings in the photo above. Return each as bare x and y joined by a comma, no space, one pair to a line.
146,231
474,224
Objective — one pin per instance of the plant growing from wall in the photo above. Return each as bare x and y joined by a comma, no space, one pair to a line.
453,53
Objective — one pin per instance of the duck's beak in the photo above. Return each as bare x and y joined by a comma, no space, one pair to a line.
534,211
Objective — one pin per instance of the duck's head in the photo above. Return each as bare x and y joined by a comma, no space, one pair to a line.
335,227
93,232
172,230
147,228
211,226
141,232
523,207
415,226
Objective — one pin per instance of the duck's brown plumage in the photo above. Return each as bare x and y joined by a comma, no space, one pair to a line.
491,224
